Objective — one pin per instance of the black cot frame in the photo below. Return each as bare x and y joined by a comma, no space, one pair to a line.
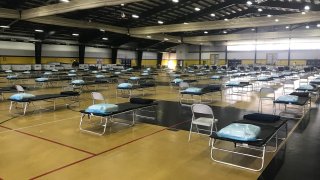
108,117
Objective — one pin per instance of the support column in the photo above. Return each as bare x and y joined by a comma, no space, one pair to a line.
114,55
255,53
82,51
226,54
289,52
159,59
37,52
139,58
200,54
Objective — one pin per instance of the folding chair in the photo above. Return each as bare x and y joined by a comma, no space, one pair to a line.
266,93
96,96
288,86
20,89
202,115
183,86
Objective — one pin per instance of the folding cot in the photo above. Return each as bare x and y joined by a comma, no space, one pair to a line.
299,99
128,88
239,84
49,81
73,96
135,104
200,91
81,85
261,128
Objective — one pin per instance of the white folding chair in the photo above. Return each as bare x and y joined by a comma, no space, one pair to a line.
266,93
202,115
96,96
288,86
20,89
183,86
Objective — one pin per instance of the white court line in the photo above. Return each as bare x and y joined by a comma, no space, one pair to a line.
26,127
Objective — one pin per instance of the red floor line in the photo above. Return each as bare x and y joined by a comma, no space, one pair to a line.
48,140
113,148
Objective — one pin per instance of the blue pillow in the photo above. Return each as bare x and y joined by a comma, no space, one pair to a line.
41,79
190,71
54,70
125,85
102,108
262,78
94,72
72,71
117,73
215,77
288,98
306,87
100,76
78,81
72,75
134,78
145,71
8,71
21,96
26,72
129,69
193,90
145,74
234,83
12,77
47,73
177,80
176,75
240,132
123,70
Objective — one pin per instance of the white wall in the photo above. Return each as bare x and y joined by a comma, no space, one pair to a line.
60,50
8,48
149,55
92,52
125,54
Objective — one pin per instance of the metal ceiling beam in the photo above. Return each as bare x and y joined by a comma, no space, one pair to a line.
254,36
230,24
9,13
53,20
74,5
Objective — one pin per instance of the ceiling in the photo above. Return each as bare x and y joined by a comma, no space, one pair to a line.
110,23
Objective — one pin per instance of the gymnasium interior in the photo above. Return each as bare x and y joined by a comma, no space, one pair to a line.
159,89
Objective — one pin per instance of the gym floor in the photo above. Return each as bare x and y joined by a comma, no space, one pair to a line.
47,144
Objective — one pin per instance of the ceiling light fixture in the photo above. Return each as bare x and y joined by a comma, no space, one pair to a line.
213,15
249,3
175,1
102,30
307,8
303,13
135,16
276,20
64,1
253,29
185,23
269,15
287,27
160,22
5,27
149,37
206,32
307,26
318,25
197,9
260,10
105,39
75,34
225,32
122,4
226,19
38,30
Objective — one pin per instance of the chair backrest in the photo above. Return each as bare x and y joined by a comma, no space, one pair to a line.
303,82
267,92
201,109
19,88
183,85
96,96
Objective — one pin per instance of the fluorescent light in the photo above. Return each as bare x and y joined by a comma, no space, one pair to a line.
276,20
135,16
287,27
64,1
249,3
269,15
206,32
175,1
225,32
197,9
160,22
122,4
307,26
318,25
149,37
102,30
166,39
105,38
213,15
307,8
260,10
253,29
75,34
185,23
38,30
303,13
5,27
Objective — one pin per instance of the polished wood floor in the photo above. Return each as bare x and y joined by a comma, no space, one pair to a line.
46,144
